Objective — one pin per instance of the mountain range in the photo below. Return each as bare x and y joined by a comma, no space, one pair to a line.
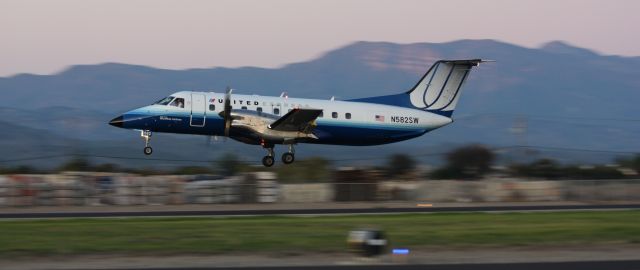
557,95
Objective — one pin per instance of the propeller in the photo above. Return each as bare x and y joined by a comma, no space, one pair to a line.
226,116
226,113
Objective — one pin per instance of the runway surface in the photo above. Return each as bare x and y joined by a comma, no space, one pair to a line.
316,211
593,265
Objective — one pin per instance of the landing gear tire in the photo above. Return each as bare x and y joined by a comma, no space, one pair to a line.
268,161
146,136
288,158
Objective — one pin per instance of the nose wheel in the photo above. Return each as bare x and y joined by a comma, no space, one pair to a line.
146,136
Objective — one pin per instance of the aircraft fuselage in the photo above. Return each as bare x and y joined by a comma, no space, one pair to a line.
341,122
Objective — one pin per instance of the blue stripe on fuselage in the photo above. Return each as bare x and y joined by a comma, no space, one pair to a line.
327,131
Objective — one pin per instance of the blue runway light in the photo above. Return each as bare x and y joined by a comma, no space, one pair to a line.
400,251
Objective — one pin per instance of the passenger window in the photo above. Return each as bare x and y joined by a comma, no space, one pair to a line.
276,111
321,114
334,114
244,107
178,102
347,115
212,107
259,109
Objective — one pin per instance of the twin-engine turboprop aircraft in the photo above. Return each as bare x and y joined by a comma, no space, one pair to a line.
268,121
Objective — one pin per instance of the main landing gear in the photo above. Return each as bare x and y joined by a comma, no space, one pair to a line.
146,136
268,160
287,158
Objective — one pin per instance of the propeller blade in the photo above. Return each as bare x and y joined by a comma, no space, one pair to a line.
227,112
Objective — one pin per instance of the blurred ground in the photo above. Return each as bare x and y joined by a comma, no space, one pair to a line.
312,234
611,252
492,224
290,206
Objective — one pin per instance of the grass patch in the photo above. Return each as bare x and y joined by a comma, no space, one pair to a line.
306,234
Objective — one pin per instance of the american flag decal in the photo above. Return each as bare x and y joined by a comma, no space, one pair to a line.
379,118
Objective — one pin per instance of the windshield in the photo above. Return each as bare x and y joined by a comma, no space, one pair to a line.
178,102
164,101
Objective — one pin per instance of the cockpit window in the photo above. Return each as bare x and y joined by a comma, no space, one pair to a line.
178,102
164,101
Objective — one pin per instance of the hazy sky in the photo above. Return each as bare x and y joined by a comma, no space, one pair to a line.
44,37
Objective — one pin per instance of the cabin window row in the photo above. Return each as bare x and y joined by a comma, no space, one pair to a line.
335,115
276,111
212,107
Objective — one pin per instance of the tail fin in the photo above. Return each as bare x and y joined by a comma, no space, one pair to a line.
438,91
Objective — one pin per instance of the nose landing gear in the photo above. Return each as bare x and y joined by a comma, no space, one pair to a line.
146,136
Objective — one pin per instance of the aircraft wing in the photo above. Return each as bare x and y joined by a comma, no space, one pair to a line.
296,120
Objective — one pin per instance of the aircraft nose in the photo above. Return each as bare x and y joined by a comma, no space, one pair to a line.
117,122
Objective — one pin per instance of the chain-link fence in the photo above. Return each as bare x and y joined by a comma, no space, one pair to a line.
90,189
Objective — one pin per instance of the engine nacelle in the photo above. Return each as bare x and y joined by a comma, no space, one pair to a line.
260,125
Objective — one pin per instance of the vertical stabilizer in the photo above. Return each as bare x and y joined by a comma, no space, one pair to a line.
439,89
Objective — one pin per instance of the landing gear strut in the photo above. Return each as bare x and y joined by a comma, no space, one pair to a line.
289,157
146,135
268,160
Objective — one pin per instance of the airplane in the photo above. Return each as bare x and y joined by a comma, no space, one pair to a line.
268,121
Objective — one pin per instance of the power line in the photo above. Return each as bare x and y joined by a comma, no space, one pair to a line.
146,158
565,149
35,158
500,148
552,117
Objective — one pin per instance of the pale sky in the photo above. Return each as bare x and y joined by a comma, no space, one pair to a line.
44,37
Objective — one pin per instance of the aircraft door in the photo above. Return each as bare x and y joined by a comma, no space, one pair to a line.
198,110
